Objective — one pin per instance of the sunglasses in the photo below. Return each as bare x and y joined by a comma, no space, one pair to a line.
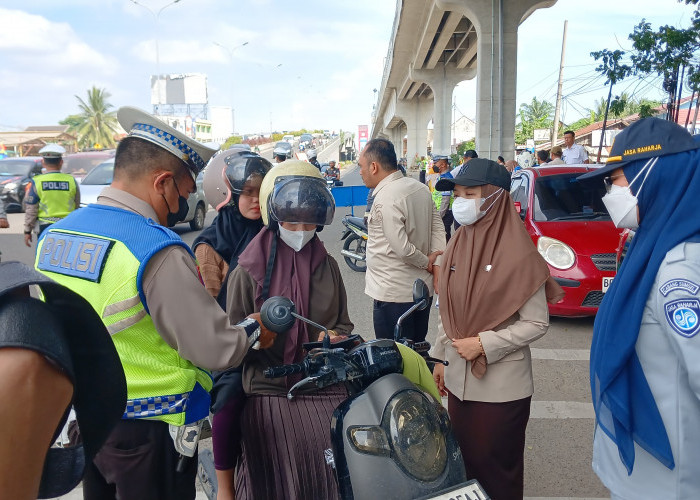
608,181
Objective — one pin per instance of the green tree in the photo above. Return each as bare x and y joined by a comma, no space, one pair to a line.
96,124
536,114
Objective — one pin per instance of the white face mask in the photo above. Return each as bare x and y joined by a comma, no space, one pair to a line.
466,210
296,240
622,204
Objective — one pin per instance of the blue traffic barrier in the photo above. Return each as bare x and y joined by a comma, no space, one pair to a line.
350,196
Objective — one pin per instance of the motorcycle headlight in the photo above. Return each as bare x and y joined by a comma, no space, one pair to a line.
556,253
416,439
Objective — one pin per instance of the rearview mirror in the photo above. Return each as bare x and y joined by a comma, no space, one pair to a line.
519,208
421,294
276,314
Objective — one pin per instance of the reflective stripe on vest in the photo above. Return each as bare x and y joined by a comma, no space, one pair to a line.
56,192
100,253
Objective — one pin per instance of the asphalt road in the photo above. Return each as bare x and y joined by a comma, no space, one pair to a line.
560,432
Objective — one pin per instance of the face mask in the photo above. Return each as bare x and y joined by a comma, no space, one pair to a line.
182,209
296,240
436,169
622,204
466,210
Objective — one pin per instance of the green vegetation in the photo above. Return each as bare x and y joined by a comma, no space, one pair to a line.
461,148
537,114
96,124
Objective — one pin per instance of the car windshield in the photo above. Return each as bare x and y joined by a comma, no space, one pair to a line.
283,145
101,175
80,165
15,167
561,197
306,137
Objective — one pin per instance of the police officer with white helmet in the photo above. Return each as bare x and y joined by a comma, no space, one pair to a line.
645,354
143,281
51,195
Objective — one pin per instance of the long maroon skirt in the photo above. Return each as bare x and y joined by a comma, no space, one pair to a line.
492,439
283,445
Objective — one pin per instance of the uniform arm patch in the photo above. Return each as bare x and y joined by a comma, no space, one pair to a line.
679,284
74,255
683,316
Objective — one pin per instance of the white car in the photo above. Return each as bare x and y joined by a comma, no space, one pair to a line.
101,176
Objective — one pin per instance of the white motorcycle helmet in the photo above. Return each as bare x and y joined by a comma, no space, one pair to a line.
229,173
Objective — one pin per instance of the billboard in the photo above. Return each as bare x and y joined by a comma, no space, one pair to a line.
189,88
363,135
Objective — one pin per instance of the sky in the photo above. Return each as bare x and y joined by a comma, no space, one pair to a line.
309,63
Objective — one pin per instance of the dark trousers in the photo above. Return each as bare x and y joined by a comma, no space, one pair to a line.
492,439
421,176
44,227
139,462
385,315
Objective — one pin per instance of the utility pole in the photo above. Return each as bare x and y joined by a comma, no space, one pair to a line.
555,128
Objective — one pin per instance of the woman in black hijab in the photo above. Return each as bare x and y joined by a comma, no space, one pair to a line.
231,185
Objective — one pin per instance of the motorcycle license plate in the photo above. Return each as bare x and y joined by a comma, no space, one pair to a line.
471,490
606,284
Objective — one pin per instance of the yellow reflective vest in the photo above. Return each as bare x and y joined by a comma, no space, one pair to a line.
56,192
101,253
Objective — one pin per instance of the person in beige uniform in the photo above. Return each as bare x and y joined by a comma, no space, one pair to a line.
154,171
406,235
492,306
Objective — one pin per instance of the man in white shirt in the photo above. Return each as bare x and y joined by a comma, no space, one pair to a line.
573,154
406,235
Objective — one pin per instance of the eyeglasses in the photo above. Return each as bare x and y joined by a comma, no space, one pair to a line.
608,181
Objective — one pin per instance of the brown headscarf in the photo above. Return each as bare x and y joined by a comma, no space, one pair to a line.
291,278
488,271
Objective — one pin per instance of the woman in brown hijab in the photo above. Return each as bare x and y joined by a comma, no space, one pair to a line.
493,293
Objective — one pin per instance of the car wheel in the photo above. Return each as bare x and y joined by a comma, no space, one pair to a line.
197,221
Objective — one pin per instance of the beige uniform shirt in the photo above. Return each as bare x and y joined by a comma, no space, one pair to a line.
509,366
185,315
404,228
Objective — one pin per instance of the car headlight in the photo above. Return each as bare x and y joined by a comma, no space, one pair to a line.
556,253
10,186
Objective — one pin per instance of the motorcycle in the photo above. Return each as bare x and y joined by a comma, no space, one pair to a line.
355,247
388,437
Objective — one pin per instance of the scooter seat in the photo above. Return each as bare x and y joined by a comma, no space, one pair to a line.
357,221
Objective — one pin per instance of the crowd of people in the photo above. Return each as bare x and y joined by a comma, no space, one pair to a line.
141,294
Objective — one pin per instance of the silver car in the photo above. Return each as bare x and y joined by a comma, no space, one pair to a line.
101,176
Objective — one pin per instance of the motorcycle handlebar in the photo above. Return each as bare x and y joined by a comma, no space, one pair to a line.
284,370
421,347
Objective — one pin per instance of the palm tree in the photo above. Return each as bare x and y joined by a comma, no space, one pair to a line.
96,124
537,114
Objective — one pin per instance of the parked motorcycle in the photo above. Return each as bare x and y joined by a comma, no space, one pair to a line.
355,247
388,438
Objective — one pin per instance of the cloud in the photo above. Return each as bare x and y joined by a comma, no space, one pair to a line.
33,41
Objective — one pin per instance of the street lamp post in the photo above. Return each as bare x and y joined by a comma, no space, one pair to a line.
230,51
156,16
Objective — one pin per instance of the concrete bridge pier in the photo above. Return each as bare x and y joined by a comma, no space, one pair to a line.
416,113
442,80
496,23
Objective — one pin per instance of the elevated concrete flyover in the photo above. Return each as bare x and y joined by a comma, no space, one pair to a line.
436,44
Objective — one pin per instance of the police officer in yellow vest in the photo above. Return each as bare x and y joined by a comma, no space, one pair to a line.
443,199
50,196
143,281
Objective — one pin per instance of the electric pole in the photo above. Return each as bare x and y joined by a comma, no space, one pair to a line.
555,128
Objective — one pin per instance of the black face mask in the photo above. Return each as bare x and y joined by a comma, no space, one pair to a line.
182,208
436,169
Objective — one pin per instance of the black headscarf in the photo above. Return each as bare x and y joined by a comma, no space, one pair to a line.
229,234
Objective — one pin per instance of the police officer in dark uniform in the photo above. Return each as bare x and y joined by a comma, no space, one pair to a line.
143,281
51,195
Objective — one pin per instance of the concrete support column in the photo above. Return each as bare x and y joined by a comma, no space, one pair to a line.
416,113
496,23
442,80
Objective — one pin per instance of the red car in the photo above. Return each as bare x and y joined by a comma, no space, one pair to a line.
572,230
